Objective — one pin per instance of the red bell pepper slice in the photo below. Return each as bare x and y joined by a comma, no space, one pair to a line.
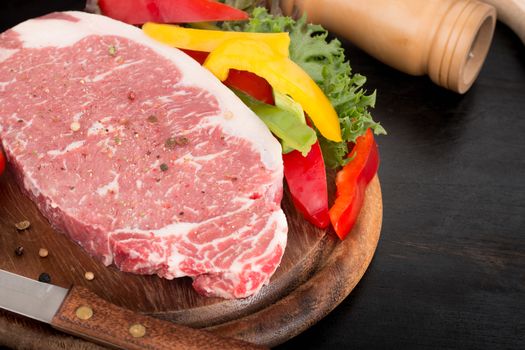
169,11
306,179
252,84
199,56
351,182
2,162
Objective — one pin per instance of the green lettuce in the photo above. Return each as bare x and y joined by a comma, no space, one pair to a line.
324,60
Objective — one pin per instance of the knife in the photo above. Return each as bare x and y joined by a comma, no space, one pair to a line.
80,312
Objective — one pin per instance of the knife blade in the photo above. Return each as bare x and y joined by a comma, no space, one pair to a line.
30,298
80,312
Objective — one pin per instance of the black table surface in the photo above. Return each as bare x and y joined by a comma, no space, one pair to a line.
449,271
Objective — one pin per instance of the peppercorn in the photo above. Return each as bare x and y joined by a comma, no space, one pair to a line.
44,277
43,252
19,250
22,225
89,275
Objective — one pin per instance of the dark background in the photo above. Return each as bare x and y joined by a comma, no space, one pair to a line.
13,12
449,271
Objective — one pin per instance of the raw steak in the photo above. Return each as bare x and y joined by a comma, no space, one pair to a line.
140,155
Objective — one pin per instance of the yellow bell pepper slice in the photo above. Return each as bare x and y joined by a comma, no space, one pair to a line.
208,40
283,74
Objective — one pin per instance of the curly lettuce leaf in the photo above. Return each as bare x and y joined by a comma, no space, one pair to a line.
245,5
324,60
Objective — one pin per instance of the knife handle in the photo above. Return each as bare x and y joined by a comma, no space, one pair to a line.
85,314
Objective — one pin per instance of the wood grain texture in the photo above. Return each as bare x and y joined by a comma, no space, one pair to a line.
449,271
317,272
110,325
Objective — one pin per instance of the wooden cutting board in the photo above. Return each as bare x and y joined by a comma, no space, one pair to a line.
317,272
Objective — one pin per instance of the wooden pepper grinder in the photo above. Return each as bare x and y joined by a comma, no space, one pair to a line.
446,39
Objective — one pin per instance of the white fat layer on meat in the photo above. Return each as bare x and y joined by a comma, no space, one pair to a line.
153,258
112,186
175,229
70,147
236,119
6,53
29,185
4,84
77,116
174,260
95,128
196,161
122,66
208,157
277,217
233,272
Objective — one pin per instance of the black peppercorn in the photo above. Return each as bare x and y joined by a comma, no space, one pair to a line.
19,250
44,277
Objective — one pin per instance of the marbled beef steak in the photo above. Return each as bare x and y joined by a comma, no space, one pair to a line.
139,154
